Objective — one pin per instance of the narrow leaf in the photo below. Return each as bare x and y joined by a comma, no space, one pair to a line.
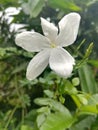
36,7
33,7
64,4
89,109
93,62
87,80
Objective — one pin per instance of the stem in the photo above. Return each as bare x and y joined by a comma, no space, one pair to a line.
19,94
22,115
10,118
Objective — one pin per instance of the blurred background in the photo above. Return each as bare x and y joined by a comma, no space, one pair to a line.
19,15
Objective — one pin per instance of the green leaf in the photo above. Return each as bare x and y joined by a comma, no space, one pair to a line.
92,106
6,3
69,87
64,4
76,100
57,121
26,127
94,126
55,105
40,119
88,51
86,55
93,62
44,110
82,98
89,109
87,79
93,99
84,124
90,2
33,7
79,99
49,93
37,8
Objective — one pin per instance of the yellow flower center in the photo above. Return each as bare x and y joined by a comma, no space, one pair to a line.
53,45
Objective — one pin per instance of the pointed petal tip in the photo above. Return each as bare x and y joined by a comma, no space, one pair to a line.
42,19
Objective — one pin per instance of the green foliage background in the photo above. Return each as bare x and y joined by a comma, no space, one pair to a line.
49,102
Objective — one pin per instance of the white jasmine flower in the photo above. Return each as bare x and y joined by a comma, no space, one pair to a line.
50,46
9,14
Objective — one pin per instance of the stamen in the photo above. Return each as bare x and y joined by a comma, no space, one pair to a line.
53,45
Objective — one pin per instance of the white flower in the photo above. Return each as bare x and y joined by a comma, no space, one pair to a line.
50,46
9,14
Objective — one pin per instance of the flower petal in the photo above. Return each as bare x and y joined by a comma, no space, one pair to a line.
32,41
61,62
68,26
38,64
49,29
